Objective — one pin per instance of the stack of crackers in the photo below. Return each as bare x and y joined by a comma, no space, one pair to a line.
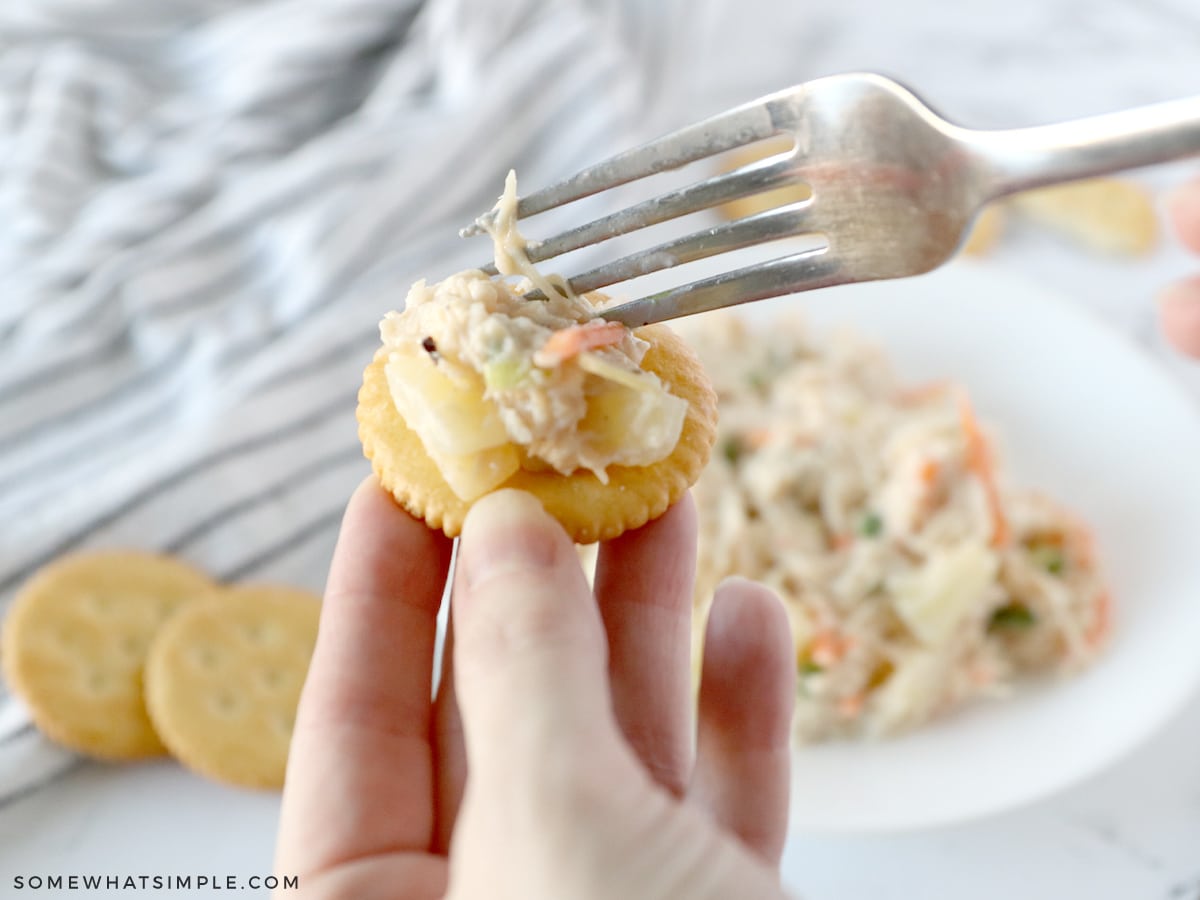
128,655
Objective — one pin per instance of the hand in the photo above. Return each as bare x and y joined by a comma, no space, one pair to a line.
556,759
1180,304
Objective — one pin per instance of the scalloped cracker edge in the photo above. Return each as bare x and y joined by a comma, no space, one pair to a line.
587,509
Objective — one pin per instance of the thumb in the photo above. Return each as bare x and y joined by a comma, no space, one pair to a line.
530,656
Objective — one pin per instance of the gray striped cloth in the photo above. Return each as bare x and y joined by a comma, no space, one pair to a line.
206,207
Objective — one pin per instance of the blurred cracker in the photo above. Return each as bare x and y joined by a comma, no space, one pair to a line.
756,203
75,644
223,680
986,231
1107,215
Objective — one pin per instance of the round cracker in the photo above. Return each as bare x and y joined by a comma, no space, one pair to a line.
75,644
223,679
586,508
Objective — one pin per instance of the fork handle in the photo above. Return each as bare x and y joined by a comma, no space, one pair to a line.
1024,158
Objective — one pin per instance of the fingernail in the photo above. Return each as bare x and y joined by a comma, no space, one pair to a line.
733,601
506,531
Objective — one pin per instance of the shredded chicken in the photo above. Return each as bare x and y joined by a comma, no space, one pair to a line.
914,579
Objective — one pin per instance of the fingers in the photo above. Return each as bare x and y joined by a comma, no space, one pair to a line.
365,711
1184,209
450,757
746,692
1179,305
529,648
1179,310
644,582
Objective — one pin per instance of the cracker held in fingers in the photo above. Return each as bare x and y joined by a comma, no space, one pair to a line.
478,387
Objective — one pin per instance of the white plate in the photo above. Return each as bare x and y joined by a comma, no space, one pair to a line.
1084,414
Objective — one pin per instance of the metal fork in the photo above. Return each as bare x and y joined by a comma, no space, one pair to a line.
894,188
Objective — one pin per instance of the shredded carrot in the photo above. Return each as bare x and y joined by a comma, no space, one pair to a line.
576,339
851,707
757,438
919,393
1097,633
929,472
841,540
827,648
979,461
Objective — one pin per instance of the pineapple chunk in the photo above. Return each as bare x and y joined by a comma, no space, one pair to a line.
934,600
460,429
475,474
632,427
451,419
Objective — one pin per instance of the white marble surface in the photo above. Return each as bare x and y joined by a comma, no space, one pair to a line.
1131,833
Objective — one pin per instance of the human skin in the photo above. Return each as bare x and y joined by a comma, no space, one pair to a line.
1179,304
559,757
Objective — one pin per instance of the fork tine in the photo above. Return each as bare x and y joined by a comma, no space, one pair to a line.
806,271
725,131
751,179
785,221
743,182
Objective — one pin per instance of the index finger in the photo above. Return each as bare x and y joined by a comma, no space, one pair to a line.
360,769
